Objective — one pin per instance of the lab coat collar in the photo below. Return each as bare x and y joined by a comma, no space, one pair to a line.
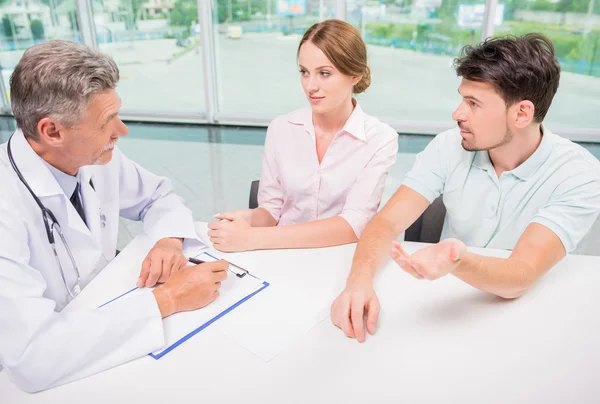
49,191
32,167
67,182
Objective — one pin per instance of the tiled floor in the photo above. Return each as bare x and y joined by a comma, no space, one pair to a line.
212,168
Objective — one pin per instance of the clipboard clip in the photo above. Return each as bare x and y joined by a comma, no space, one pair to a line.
241,271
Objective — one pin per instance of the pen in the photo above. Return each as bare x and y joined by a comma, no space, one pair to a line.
196,261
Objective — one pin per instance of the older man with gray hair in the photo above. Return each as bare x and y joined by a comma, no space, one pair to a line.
64,185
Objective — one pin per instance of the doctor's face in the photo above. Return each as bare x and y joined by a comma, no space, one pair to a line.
482,117
94,138
326,88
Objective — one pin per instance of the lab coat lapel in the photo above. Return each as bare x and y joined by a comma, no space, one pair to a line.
90,203
98,205
86,250
44,185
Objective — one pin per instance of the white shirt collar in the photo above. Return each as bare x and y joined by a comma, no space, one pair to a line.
355,125
67,182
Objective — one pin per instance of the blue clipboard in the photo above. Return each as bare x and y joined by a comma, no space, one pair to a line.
189,335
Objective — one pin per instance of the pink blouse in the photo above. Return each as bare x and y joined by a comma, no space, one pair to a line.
295,188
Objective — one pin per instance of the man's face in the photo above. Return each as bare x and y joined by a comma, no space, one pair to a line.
93,139
481,116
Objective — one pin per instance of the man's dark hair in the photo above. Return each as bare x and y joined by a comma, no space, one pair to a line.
520,68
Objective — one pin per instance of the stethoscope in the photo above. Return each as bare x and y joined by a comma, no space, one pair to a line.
51,224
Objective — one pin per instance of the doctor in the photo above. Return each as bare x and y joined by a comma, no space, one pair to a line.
64,186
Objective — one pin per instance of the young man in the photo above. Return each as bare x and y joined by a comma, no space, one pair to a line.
507,182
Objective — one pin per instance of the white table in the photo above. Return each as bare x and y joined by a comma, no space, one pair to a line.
439,341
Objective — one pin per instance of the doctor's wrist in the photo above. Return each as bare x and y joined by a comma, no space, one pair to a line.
164,301
172,242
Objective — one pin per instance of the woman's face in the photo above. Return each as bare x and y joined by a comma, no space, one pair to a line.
326,88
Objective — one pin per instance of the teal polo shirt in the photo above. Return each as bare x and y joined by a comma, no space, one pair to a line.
558,186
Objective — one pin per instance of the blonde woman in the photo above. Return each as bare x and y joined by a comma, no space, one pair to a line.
324,166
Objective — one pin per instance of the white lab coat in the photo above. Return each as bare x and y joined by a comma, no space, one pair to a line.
40,346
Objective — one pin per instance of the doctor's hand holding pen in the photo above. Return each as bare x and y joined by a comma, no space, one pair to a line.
191,288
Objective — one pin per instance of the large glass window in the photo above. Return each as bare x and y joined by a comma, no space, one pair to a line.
27,22
157,48
411,46
574,28
256,53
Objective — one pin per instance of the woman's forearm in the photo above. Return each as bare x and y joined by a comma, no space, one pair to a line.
319,233
261,217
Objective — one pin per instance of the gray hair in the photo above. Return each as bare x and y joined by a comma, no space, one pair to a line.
57,79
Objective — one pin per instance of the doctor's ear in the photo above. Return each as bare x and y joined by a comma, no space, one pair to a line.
49,131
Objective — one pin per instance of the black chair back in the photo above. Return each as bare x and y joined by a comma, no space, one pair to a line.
253,202
428,227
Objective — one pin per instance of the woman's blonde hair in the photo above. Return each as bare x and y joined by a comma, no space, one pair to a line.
344,47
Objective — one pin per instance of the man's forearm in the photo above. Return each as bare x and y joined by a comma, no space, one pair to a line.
506,277
375,243
174,242
168,217
373,247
